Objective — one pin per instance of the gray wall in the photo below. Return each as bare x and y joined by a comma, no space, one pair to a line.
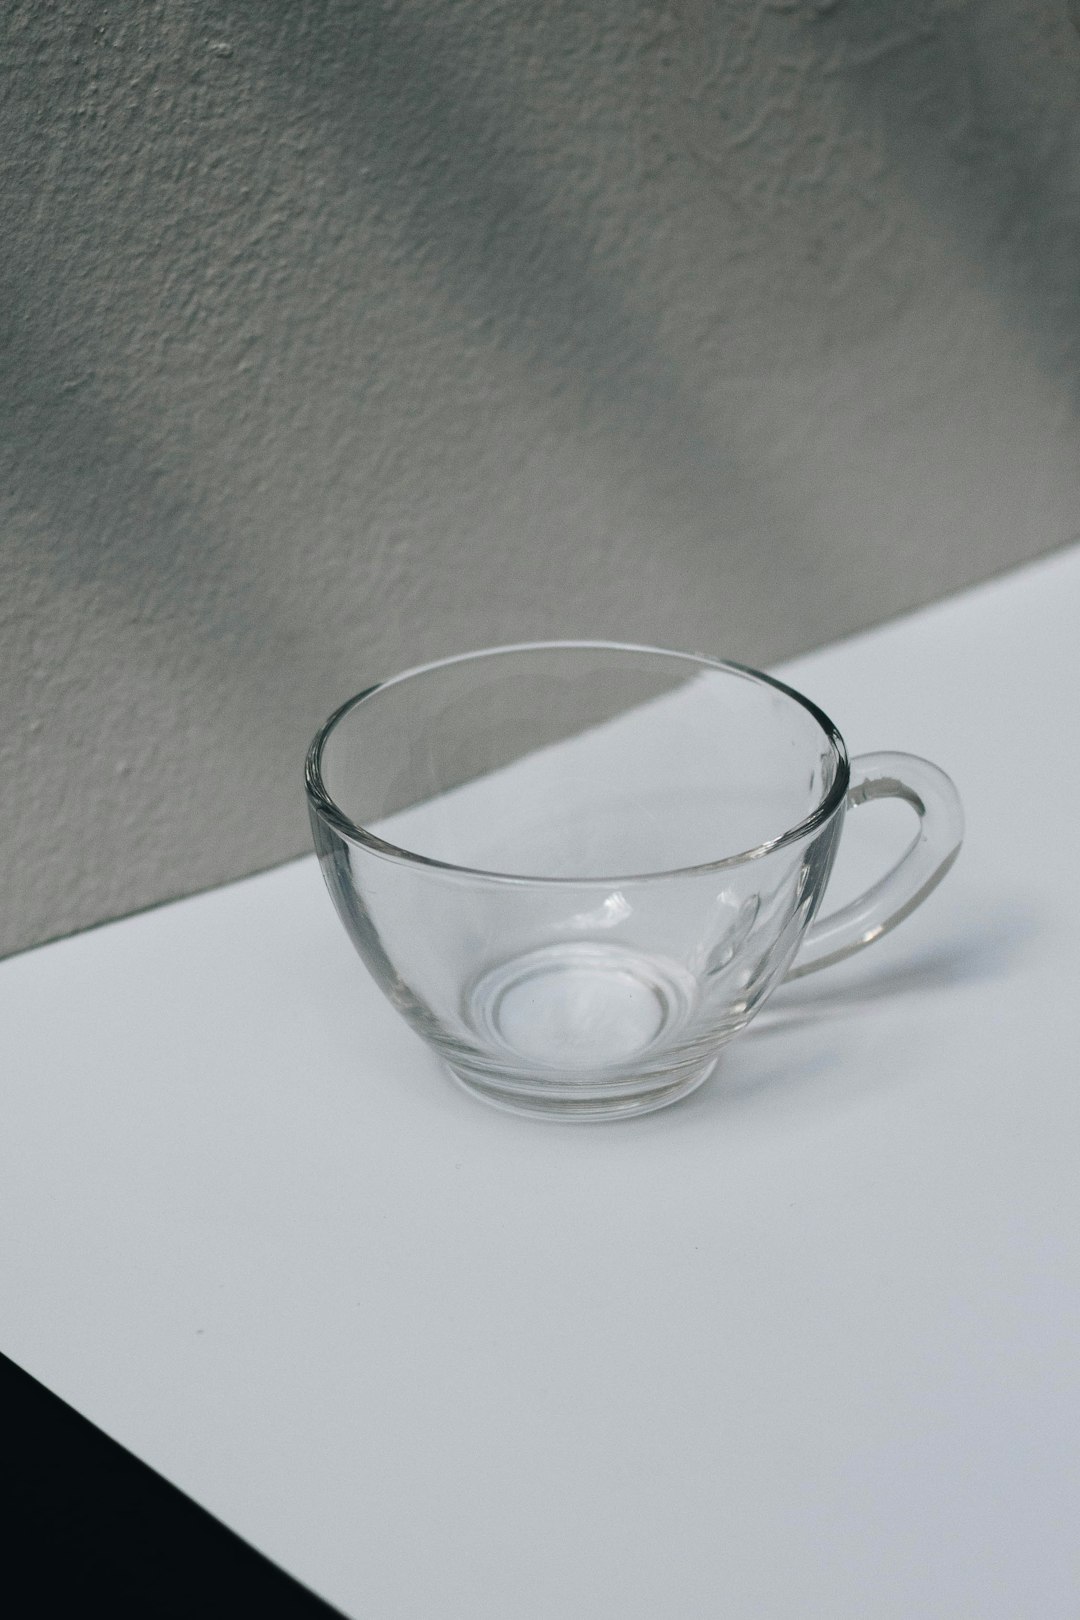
338,335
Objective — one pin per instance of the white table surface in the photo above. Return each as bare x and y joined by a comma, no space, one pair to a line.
807,1344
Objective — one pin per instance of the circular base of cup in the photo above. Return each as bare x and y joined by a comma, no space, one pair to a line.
622,1103
580,1029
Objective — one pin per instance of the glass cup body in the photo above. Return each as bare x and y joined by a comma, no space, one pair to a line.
577,869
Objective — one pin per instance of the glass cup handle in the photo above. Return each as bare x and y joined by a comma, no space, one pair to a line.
918,871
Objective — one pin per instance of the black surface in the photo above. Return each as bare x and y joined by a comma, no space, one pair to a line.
88,1528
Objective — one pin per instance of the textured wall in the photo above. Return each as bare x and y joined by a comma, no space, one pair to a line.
340,334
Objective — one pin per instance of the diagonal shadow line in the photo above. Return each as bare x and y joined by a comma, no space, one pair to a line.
486,222
482,217
1011,207
979,956
509,244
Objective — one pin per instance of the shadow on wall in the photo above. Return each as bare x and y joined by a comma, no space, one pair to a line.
504,218
510,240
988,147
518,235
807,115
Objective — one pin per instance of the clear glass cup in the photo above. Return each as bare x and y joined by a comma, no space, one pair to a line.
578,869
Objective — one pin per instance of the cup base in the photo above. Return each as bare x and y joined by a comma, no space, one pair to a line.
623,1104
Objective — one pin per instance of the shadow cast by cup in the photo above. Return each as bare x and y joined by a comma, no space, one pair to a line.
968,958
974,957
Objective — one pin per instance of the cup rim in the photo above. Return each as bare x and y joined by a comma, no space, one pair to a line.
326,807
